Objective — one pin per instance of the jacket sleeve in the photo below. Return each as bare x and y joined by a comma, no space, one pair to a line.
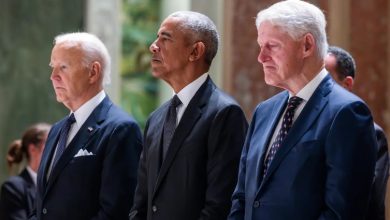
139,209
12,200
350,152
237,211
224,149
119,174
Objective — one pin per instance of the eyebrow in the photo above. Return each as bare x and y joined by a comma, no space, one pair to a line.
166,34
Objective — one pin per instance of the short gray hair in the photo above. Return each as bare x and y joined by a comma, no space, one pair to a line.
201,29
93,48
297,18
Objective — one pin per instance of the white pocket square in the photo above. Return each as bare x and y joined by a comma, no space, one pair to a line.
82,153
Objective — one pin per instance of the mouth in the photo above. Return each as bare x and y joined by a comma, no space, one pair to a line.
269,67
58,88
155,59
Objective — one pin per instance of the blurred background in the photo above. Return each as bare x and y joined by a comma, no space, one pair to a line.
128,27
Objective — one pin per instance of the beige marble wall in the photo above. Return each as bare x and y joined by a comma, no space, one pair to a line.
244,74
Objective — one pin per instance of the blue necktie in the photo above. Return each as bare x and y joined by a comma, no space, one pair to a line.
287,122
63,137
170,124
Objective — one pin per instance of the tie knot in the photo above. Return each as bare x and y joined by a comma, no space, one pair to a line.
293,102
175,101
71,119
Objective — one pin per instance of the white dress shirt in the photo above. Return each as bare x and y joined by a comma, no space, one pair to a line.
33,175
305,93
81,115
187,93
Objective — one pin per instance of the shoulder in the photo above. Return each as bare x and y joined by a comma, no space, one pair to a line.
118,115
341,99
14,184
276,99
221,100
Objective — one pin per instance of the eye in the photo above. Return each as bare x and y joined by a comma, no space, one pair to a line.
273,46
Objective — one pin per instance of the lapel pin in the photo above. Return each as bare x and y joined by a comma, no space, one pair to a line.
90,129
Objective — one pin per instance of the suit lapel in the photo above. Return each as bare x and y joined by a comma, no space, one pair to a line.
87,130
30,189
49,149
270,121
26,176
309,114
191,115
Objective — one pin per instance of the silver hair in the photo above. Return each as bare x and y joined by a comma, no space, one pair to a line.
297,18
93,48
200,28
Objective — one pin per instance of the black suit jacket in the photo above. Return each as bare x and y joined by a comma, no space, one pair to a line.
17,197
376,209
198,175
98,186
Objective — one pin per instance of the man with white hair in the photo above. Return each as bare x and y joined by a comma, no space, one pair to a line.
89,165
310,150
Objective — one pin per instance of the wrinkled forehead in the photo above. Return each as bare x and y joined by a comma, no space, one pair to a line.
268,31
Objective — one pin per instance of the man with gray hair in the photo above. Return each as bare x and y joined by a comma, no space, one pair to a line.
310,150
89,165
192,146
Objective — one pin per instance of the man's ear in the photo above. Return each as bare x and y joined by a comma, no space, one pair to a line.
348,82
95,72
309,45
198,49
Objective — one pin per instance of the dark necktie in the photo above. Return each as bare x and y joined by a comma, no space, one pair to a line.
287,122
63,137
170,124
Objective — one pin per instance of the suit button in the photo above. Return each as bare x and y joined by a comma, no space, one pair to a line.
44,211
154,208
256,204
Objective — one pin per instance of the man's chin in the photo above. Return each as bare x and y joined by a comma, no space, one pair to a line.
270,81
60,99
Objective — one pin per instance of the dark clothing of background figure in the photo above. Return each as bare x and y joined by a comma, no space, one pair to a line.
198,175
17,197
99,186
323,169
376,208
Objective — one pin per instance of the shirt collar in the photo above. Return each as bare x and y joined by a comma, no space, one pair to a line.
306,92
86,109
33,174
187,93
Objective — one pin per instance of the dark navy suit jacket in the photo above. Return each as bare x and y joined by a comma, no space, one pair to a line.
376,210
199,173
17,197
324,168
99,186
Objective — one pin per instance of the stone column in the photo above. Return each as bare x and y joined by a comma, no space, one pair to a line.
103,20
339,23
